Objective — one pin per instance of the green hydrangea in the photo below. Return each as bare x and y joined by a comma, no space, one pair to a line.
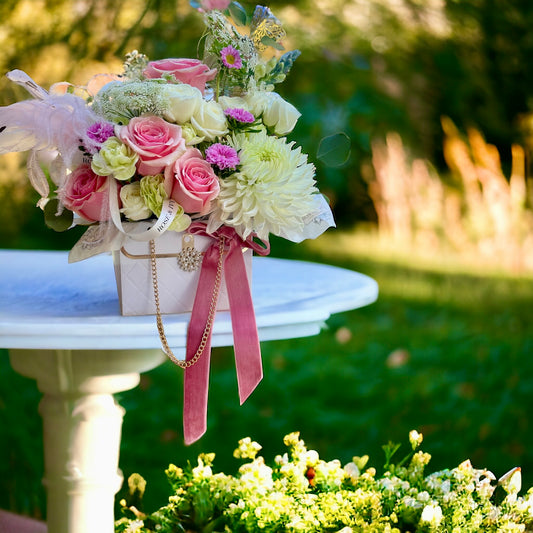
153,192
152,189
115,158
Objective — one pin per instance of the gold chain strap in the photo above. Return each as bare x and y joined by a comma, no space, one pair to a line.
210,316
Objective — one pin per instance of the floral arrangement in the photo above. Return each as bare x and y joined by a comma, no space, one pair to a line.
177,140
302,492
196,145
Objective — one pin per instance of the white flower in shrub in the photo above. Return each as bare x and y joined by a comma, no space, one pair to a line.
432,515
415,439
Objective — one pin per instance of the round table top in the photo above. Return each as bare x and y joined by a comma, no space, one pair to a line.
47,303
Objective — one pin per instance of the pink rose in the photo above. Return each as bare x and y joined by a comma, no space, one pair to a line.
193,182
190,71
87,194
157,143
215,4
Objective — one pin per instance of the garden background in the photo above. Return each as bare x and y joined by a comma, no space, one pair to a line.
434,203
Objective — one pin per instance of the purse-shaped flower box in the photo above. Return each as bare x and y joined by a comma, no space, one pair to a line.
181,168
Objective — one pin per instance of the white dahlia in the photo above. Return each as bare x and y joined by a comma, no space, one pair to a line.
273,190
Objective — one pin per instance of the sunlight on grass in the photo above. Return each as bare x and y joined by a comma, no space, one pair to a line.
422,276
367,244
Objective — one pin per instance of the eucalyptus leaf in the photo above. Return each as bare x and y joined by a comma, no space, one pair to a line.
334,150
268,41
54,221
238,13
285,62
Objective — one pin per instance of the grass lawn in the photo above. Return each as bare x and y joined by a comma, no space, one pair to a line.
443,350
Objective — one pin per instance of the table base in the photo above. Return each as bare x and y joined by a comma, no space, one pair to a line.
82,425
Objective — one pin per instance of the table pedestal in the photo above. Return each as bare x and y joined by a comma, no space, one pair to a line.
82,428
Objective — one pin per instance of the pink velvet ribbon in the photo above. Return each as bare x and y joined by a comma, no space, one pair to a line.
245,337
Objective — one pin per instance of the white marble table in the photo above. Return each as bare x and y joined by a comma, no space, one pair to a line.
62,325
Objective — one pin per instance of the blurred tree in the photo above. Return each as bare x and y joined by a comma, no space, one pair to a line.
501,53
399,66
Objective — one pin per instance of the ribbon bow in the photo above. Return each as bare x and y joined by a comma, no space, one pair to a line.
245,337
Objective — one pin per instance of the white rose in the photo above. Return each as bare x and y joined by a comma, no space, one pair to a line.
209,120
277,113
133,206
257,102
281,115
231,102
182,100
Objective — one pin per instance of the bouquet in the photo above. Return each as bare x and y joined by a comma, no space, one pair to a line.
175,141
180,145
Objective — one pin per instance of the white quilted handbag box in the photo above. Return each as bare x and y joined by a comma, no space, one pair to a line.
177,287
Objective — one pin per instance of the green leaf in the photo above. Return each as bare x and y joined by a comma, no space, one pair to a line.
361,462
57,223
334,150
268,41
201,45
390,449
238,13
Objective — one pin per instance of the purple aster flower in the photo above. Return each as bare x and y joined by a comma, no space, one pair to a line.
240,115
231,57
96,135
222,156
99,132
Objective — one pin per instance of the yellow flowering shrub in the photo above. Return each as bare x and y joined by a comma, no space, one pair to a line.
302,493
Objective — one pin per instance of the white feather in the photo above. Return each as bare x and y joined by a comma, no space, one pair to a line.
36,175
21,78
51,123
